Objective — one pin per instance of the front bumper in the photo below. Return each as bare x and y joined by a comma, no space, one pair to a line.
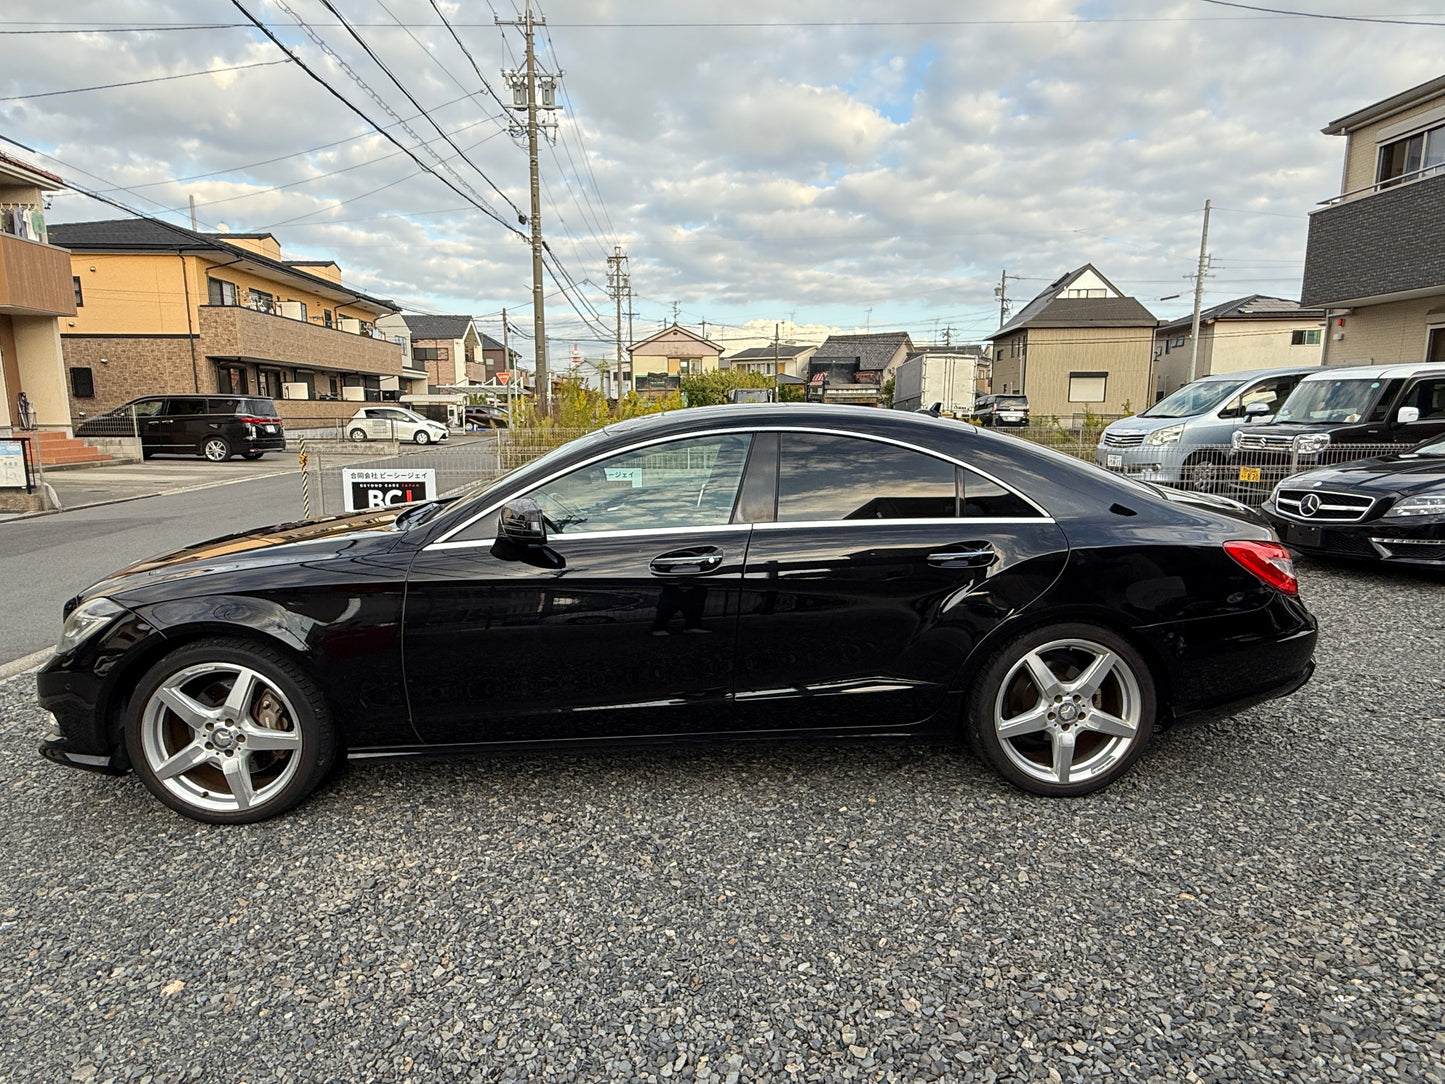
1396,540
1147,463
55,747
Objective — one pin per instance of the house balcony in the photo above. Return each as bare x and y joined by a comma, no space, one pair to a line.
234,333
34,279
1379,247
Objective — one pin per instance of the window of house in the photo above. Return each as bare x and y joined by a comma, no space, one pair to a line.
232,379
268,383
327,317
1302,337
82,379
79,296
826,478
1087,387
1090,292
685,483
220,292
426,353
1418,155
261,301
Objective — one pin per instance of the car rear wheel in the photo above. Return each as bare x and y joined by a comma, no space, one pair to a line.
1203,473
216,449
229,732
421,436
357,435
1063,710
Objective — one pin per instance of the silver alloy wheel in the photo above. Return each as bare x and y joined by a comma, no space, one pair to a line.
220,737
358,434
1068,711
216,450
1203,475
421,436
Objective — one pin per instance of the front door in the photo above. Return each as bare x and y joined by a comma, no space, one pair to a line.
883,569
622,624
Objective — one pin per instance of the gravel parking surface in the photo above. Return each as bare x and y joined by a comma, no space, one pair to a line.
1261,898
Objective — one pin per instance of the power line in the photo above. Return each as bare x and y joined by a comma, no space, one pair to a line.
139,82
465,52
130,29
1387,20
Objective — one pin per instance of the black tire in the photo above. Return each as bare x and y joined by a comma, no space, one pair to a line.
1201,472
283,708
216,449
1006,694
421,436
357,435
252,455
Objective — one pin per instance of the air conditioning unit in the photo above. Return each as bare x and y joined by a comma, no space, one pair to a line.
354,395
293,310
295,391
351,324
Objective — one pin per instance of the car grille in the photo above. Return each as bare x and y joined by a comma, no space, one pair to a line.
1413,549
1266,442
1123,440
1346,544
1331,507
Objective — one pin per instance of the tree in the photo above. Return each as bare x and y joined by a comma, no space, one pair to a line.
885,393
711,387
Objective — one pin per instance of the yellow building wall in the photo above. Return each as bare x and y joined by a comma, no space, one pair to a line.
1053,353
1392,334
1362,150
1261,344
146,294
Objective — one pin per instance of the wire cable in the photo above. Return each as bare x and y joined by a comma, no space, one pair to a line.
140,82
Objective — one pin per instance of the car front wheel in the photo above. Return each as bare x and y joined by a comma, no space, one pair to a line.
421,436
1063,710
357,435
216,449
229,732
1203,472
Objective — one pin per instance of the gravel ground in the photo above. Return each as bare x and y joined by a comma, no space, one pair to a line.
1261,898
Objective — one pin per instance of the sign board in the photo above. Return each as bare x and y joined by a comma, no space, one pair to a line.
12,463
366,490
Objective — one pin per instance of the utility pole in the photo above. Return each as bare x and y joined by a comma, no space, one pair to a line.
1198,296
193,214
1001,292
674,311
507,365
525,86
618,284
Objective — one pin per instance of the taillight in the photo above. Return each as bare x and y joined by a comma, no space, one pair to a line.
248,420
1267,560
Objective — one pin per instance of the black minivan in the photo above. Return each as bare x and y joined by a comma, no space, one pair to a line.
214,426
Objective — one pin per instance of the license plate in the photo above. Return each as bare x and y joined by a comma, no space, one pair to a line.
1249,474
1304,535
270,428
1115,461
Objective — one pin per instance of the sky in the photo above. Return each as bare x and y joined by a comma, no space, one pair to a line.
817,165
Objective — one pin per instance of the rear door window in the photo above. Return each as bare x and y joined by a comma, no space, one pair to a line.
222,406
827,478
185,408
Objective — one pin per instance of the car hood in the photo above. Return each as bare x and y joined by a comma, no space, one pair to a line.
1405,473
1140,424
279,545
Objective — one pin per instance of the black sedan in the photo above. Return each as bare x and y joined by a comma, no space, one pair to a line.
1390,508
748,571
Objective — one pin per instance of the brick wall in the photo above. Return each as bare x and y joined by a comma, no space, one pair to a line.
228,331
142,365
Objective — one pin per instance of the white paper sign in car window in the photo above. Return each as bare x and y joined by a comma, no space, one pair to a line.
631,475
371,489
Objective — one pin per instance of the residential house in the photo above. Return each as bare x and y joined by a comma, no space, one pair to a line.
1375,259
161,308
1254,332
774,360
853,368
497,360
1079,346
659,362
35,289
447,348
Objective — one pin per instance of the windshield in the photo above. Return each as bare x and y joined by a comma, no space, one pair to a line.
1192,399
1329,401
1435,449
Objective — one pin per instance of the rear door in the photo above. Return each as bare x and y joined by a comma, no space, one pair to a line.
181,422
884,566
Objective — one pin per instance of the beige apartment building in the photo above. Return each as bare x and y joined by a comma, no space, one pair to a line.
1375,260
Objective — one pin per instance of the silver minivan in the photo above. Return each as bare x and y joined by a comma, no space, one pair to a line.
1184,439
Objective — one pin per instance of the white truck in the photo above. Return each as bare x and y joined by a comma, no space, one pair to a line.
942,379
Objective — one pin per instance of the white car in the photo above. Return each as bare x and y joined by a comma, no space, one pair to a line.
394,423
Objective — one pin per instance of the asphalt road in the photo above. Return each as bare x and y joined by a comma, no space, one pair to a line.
1261,898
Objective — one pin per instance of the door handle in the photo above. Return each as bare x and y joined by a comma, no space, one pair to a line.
965,555
689,562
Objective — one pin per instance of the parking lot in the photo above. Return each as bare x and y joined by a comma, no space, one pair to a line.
1261,897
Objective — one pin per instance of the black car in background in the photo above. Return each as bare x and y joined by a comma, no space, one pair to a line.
778,570
214,426
485,416
993,410
1390,508
1339,415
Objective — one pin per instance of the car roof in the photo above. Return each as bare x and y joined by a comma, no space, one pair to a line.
1423,368
1254,374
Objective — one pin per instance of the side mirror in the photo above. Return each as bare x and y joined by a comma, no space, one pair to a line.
521,522
1407,415
1256,410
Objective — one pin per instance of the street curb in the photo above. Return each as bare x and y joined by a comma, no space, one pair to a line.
25,663
147,496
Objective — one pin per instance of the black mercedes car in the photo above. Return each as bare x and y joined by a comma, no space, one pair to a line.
1389,508
779,570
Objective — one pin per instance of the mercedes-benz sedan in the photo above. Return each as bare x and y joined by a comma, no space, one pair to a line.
742,571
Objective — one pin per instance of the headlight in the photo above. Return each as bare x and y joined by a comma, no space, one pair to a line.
84,622
1427,504
1309,443
1170,434
1235,438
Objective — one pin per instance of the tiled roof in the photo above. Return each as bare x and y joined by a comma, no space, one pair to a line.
1048,309
489,343
150,234
438,327
1253,307
761,353
873,352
